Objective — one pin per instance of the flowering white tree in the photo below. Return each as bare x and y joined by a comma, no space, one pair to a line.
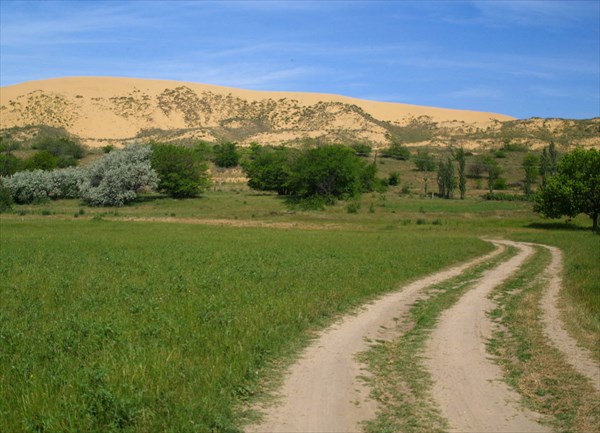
118,176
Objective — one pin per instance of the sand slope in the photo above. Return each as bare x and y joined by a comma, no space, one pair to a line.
105,109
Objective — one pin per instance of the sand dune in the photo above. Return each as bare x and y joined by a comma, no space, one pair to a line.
100,109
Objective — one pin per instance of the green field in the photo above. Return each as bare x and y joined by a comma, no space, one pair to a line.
109,324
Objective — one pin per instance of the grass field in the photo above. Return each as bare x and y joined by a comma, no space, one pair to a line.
115,325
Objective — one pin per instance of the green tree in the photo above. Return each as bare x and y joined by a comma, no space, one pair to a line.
461,158
268,169
574,189
494,171
544,163
361,149
530,167
61,147
396,150
552,158
330,172
9,164
43,160
226,155
394,178
424,161
445,178
6,200
181,171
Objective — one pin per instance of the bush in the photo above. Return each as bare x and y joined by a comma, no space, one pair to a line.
10,164
396,151
268,169
500,183
108,148
394,178
42,160
39,185
331,172
65,183
361,149
117,177
61,147
6,200
424,161
226,155
181,170
29,186
501,196
353,206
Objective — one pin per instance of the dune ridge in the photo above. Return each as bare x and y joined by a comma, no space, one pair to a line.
110,109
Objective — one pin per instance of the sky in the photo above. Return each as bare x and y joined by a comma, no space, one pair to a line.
520,58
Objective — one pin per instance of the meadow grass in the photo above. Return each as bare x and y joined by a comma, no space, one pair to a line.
136,326
580,297
537,370
140,326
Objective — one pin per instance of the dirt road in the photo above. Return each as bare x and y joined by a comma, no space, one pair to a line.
322,392
554,328
468,386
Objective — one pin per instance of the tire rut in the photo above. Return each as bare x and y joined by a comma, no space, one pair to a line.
467,385
322,391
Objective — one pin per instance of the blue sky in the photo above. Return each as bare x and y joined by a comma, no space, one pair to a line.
521,58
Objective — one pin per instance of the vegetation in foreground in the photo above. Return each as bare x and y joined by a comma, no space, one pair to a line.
148,326
538,371
163,327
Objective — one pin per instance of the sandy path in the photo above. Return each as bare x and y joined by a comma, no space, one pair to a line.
554,328
322,391
467,385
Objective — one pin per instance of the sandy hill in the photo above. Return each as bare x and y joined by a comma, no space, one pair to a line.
103,110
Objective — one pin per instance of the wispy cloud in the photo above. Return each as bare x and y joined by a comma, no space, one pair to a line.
535,12
59,26
476,92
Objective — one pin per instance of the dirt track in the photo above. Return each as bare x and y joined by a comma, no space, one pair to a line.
554,329
323,393
468,386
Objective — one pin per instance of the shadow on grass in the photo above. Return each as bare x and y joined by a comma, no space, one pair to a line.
558,226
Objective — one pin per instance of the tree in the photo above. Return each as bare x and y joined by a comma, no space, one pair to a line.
548,162
544,163
9,164
226,155
61,147
6,200
40,185
574,189
461,158
269,168
42,160
117,177
330,172
361,149
424,161
181,170
394,178
494,171
396,150
445,178
477,167
530,167
552,158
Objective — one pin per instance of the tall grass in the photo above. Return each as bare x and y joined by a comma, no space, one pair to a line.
581,281
115,326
